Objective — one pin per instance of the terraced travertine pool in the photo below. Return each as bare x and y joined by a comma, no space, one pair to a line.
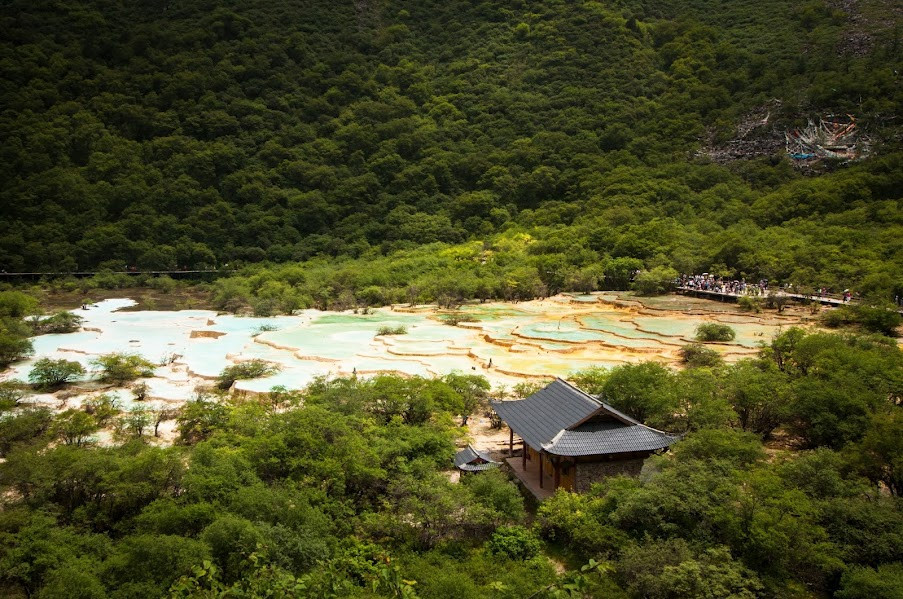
507,343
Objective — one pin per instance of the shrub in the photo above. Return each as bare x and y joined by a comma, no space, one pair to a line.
399,330
61,322
514,542
11,393
729,445
658,281
861,582
456,318
119,368
20,428
103,408
776,301
712,331
163,283
48,373
74,427
108,280
697,355
876,319
13,343
251,369
140,391
15,304
750,304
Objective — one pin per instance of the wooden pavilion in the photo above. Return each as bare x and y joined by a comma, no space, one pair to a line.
474,460
571,440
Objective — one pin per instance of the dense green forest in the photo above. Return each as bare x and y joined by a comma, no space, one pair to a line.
188,134
342,490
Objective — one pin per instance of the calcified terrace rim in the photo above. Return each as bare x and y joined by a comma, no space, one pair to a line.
507,342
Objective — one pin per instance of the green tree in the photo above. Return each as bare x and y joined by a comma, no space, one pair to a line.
514,542
879,455
658,281
199,418
61,322
473,390
48,373
118,368
884,582
697,355
15,304
11,393
759,395
640,391
667,569
74,427
251,369
13,345
712,331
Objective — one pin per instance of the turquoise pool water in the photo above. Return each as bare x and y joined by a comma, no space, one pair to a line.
533,339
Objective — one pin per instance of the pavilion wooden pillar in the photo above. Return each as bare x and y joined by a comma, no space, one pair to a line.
510,441
556,463
523,457
540,469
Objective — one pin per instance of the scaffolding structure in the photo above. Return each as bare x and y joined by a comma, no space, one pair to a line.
835,137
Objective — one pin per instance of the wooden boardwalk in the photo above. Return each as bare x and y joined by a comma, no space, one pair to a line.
723,295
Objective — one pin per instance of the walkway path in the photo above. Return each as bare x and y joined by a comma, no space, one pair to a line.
825,300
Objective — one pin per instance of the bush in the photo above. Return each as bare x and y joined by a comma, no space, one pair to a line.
74,427
103,408
399,330
750,304
61,322
658,281
884,582
670,568
712,331
13,347
251,369
120,368
776,301
514,542
736,447
163,283
11,393
108,280
15,304
47,373
696,355
140,391
876,319
455,318
20,428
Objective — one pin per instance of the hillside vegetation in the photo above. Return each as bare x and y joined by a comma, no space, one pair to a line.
342,490
166,134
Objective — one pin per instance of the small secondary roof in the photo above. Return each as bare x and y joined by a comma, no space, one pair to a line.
472,460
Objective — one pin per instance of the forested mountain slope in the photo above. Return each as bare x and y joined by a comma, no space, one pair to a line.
188,134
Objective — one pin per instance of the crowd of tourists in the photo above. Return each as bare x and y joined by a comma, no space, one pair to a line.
709,282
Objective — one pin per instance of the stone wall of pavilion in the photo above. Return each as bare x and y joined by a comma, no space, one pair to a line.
593,472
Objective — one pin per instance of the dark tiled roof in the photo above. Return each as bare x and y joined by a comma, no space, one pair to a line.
593,440
562,420
467,455
538,418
